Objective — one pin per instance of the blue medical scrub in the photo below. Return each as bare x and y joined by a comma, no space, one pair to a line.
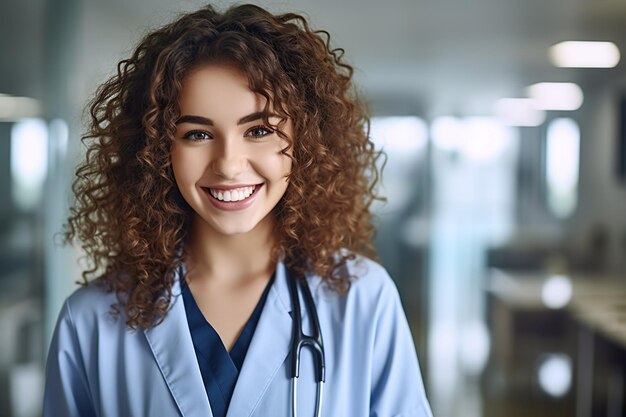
98,367
218,367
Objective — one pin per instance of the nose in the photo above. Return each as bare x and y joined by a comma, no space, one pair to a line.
229,159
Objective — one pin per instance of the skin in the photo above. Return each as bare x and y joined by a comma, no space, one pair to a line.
228,252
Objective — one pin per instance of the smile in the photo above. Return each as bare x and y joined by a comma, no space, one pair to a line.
234,198
236,194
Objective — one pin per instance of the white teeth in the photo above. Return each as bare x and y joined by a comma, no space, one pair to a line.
237,194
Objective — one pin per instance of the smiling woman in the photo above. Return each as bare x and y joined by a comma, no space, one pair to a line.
229,175
223,148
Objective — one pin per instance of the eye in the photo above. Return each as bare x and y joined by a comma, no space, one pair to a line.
197,135
259,132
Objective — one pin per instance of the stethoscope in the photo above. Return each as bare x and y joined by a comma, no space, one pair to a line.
299,340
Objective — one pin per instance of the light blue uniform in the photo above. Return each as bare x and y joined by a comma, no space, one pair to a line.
98,367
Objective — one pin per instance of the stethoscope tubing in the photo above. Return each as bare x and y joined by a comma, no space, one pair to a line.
300,340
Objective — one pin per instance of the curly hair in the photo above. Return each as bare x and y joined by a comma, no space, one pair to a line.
129,214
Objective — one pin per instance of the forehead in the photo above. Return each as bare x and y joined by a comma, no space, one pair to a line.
218,91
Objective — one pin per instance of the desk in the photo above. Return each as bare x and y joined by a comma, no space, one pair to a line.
601,306
598,310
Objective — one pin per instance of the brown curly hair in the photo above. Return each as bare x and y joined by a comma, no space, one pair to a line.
129,214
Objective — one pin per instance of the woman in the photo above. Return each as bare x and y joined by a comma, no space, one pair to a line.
227,161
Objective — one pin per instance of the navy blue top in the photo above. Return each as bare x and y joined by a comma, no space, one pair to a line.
219,368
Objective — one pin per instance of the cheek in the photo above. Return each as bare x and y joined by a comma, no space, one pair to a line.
186,165
278,167
283,163
269,162
286,164
177,159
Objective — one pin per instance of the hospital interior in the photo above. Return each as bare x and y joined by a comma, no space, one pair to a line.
504,225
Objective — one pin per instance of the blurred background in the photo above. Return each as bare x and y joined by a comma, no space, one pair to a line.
504,227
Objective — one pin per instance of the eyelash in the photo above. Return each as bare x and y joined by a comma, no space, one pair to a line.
189,135
268,131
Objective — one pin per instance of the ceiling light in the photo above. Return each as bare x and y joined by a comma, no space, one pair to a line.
579,54
404,135
15,108
519,111
556,96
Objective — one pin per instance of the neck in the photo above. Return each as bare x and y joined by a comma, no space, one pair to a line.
215,258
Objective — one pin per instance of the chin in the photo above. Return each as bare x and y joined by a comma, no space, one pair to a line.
232,229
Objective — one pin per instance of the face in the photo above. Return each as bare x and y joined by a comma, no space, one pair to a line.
227,163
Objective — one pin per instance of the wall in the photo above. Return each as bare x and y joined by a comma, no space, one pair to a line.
602,196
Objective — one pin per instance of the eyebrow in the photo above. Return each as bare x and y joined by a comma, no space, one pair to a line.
208,122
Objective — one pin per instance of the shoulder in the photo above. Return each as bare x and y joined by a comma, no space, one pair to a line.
91,298
89,305
369,274
371,286
370,279
87,326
